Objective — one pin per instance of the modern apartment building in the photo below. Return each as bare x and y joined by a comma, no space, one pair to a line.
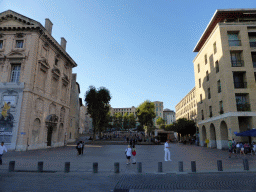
35,73
225,75
123,110
169,116
187,107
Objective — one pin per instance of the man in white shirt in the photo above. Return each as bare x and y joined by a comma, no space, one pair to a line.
2,149
167,151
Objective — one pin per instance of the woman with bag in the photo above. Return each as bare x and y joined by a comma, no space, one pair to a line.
128,153
133,154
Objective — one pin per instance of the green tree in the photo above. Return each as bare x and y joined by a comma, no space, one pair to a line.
132,120
126,121
146,113
97,102
118,119
183,126
160,121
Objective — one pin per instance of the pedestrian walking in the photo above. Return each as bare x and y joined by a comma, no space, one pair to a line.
167,156
133,154
82,149
128,153
2,149
79,148
231,147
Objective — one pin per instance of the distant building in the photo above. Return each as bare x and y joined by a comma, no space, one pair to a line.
187,107
159,111
169,116
123,110
74,115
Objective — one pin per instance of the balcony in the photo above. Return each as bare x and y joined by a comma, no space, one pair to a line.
234,42
252,44
237,63
254,64
243,107
240,85
221,111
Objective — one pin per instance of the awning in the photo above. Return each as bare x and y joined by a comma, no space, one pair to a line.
249,133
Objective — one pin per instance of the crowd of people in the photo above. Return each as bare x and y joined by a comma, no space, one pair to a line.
241,148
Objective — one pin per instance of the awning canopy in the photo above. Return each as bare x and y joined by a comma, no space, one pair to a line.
249,133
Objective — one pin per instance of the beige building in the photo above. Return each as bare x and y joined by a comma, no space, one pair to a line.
35,73
74,114
85,120
225,74
123,110
159,108
187,107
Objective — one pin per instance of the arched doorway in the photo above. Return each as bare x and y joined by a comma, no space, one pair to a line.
51,124
212,136
224,136
203,135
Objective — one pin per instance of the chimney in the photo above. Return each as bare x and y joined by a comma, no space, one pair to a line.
63,43
48,25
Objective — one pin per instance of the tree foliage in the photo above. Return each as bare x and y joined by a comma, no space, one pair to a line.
132,120
182,126
146,113
126,121
97,102
160,121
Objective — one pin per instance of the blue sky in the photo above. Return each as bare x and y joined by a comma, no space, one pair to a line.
138,49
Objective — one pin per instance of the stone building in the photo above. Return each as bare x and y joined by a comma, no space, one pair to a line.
225,74
187,107
159,107
169,116
74,114
82,120
35,73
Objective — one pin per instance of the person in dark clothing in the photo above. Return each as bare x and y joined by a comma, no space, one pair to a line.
127,139
82,149
131,142
79,148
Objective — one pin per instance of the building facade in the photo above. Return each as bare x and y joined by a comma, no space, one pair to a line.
169,116
35,73
159,108
225,74
85,120
123,110
187,107
74,114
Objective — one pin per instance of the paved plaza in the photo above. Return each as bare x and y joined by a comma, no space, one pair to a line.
82,178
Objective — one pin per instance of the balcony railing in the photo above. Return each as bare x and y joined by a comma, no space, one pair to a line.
234,42
243,107
252,44
237,63
240,85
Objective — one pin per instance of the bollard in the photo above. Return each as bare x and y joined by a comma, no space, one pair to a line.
40,166
180,166
246,164
67,167
11,166
160,167
219,165
139,167
116,167
95,167
193,166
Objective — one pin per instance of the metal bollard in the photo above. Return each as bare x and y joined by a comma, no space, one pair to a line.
67,167
193,166
40,166
139,167
11,166
116,167
246,164
219,165
95,167
160,167
180,166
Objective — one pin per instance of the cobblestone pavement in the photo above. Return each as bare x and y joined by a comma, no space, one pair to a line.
206,181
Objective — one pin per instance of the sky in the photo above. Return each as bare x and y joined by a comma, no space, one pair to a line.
138,49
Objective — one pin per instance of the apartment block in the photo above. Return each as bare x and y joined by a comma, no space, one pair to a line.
225,75
169,116
187,107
